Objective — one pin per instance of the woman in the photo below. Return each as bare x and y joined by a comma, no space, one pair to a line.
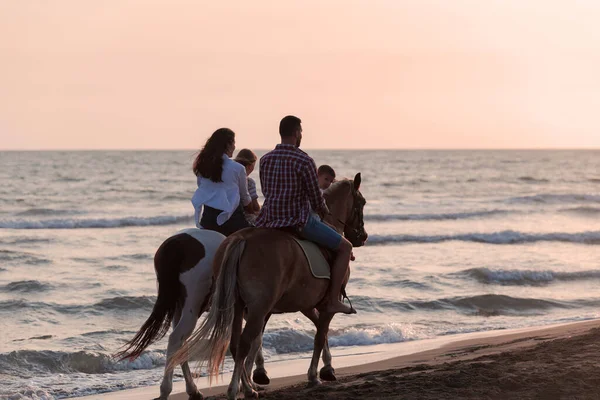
247,158
222,186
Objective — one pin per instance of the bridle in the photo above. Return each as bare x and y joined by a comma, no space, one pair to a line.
356,212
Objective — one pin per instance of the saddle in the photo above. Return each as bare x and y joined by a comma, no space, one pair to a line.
319,258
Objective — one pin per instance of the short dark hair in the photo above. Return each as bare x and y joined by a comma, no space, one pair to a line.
288,125
326,169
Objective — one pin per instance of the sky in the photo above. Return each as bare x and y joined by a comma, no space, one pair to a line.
408,74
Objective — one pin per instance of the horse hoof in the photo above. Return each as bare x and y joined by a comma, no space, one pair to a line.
260,377
196,396
315,383
251,395
327,373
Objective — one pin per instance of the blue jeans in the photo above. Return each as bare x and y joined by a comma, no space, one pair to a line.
320,233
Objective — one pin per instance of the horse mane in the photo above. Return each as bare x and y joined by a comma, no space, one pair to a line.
338,189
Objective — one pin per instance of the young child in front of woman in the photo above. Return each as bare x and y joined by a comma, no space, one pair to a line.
247,158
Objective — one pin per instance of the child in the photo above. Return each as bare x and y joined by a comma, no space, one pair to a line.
326,176
247,158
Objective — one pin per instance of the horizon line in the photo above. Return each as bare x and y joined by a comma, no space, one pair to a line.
333,149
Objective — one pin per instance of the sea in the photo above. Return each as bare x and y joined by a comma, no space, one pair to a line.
459,241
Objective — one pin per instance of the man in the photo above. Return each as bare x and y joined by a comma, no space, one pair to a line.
289,182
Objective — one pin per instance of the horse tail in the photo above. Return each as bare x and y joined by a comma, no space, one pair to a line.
210,341
167,259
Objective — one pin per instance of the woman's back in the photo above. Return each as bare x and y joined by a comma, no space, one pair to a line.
222,186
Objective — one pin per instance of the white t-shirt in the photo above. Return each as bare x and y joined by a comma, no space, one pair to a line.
225,195
252,188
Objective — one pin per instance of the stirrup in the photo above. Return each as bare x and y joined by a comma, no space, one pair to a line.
345,296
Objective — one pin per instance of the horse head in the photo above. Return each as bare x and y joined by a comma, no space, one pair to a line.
346,204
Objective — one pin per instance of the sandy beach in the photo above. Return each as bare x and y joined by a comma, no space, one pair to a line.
557,362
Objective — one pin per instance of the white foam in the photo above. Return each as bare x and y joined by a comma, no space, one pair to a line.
435,216
504,237
556,198
73,223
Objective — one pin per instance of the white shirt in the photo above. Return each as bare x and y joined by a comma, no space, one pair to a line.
225,195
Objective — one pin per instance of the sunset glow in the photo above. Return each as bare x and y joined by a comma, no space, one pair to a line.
134,74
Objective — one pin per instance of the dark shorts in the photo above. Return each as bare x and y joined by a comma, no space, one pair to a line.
236,222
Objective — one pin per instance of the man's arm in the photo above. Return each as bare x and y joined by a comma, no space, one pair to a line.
311,184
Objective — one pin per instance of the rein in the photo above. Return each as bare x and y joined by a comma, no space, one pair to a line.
356,211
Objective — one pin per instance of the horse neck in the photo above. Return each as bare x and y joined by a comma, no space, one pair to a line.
339,201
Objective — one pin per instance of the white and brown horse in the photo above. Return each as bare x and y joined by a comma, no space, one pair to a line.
264,271
183,266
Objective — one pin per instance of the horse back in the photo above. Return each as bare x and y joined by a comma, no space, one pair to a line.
273,270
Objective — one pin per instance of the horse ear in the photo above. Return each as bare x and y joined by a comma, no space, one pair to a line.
357,180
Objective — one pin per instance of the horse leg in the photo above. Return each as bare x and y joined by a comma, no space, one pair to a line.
327,373
255,348
252,330
236,330
259,375
320,340
166,386
186,319
190,386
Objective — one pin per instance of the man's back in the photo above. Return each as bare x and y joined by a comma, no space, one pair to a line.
288,178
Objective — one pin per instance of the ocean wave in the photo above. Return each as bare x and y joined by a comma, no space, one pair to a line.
586,211
27,286
525,277
42,337
108,332
22,304
115,267
504,237
476,305
292,340
406,283
435,216
119,303
546,198
22,257
485,304
94,222
23,240
70,179
126,303
31,362
32,212
530,179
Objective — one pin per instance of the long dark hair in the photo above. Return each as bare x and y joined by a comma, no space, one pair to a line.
209,162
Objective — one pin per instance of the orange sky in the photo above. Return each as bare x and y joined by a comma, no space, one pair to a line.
150,74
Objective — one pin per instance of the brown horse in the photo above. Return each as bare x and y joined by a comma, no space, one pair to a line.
264,271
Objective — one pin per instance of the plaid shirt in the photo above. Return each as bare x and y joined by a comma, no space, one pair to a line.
288,178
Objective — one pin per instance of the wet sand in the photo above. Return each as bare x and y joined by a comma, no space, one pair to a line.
558,362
